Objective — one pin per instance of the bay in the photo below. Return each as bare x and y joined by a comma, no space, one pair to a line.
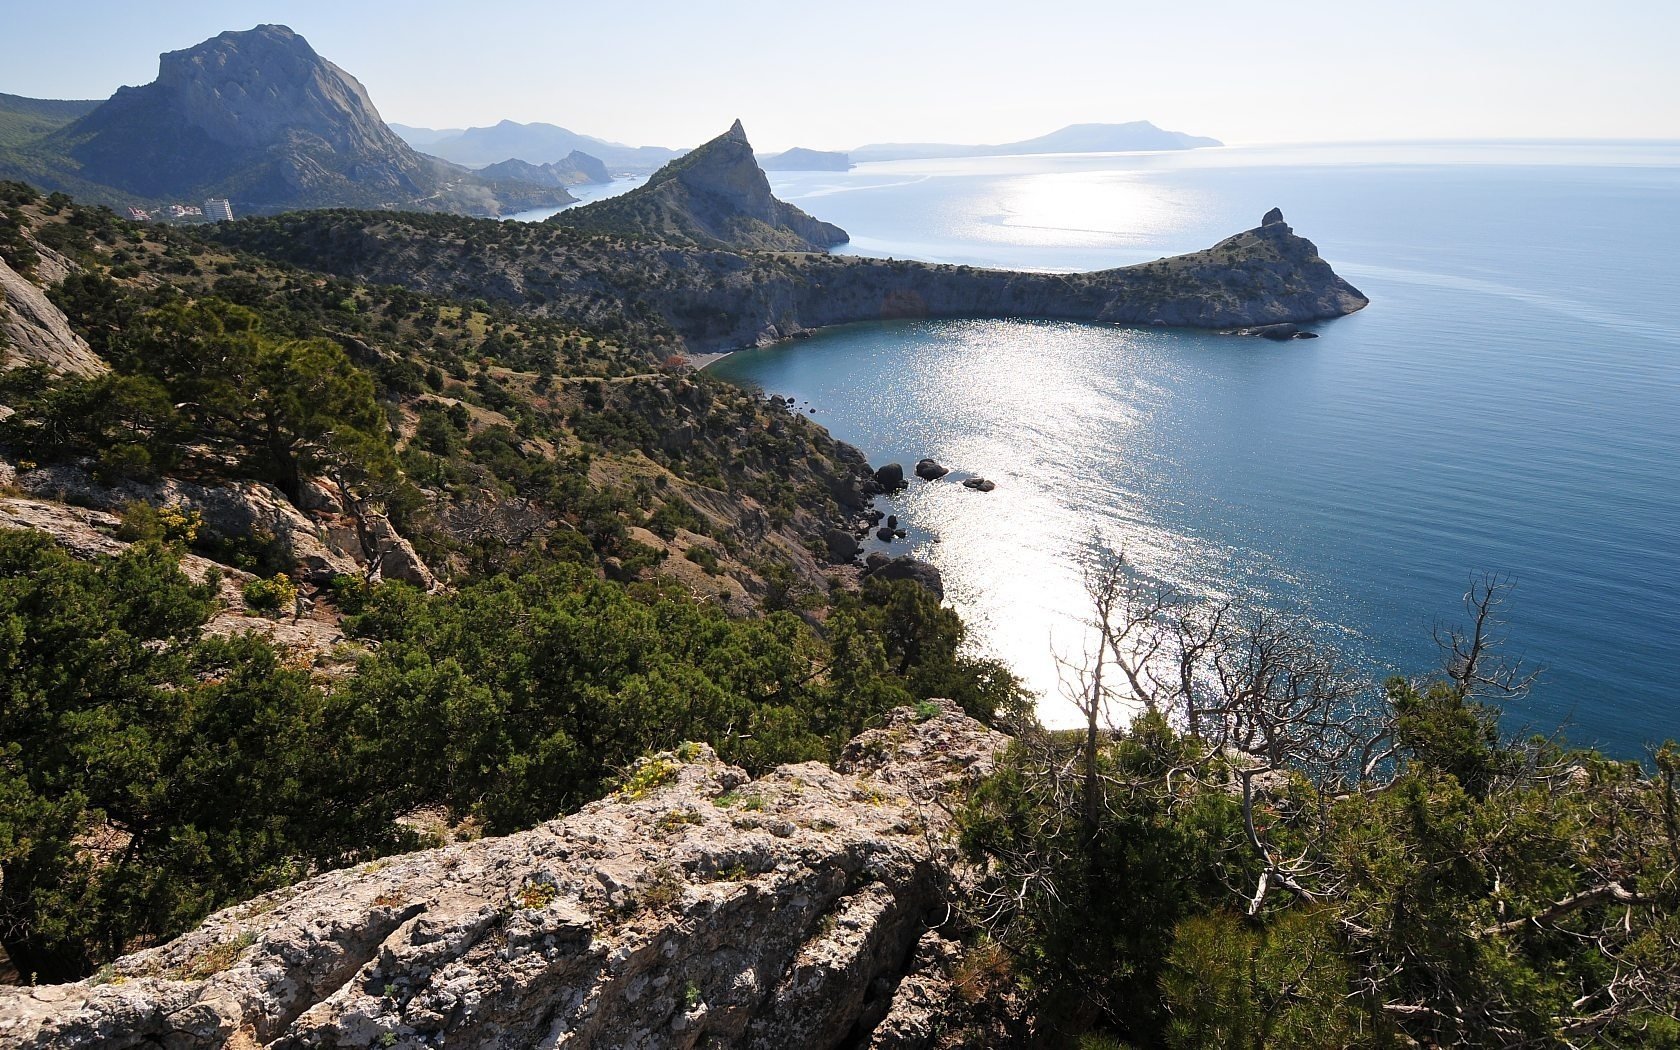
1509,403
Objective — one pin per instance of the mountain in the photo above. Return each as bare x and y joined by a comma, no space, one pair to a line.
801,159
714,197
575,169
533,143
1075,138
260,118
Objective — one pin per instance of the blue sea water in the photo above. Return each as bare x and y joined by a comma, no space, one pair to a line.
1509,403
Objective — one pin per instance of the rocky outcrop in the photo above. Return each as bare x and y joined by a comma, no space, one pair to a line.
842,546
1277,333
890,477
319,548
715,197
259,117
693,908
904,567
33,331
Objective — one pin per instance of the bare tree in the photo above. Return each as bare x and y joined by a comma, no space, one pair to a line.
1474,656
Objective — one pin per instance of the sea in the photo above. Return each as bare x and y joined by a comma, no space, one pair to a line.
1508,405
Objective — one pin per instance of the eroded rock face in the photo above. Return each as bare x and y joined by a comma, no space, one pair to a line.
35,332
319,547
694,908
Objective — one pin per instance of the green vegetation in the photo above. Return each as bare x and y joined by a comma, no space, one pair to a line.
1320,867
148,773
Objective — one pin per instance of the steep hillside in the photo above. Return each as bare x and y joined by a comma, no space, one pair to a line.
714,197
260,118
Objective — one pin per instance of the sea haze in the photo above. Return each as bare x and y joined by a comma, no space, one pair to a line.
1510,402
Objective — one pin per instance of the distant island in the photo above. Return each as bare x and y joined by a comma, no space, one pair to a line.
802,159
1075,138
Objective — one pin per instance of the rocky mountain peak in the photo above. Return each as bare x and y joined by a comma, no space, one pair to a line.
1272,217
250,89
714,196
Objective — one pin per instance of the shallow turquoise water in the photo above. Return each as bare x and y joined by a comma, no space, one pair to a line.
1510,402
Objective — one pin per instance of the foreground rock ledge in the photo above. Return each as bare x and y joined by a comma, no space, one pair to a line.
695,907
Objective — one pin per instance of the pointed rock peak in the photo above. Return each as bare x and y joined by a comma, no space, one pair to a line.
736,132
1272,217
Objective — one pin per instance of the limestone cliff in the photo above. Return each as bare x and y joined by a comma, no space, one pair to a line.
714,197
35,332
693,908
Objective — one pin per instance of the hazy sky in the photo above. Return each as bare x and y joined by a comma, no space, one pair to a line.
839,74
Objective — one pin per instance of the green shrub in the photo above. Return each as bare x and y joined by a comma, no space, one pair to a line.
274,596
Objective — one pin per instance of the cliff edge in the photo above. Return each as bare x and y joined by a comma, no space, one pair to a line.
694,907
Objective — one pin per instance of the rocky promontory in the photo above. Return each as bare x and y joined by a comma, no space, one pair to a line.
722,298
715,197
694,907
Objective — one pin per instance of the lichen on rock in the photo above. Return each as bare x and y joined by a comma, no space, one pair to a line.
701,908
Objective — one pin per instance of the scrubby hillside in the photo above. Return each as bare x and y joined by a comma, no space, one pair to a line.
300,568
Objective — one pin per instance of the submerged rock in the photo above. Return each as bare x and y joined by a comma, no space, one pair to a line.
979,484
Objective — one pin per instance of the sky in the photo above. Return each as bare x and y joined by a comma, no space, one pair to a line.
839,74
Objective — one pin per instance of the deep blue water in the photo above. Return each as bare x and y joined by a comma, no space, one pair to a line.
1510,402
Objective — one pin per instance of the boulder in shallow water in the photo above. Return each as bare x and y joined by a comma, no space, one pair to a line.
930,469
979,484
891,477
